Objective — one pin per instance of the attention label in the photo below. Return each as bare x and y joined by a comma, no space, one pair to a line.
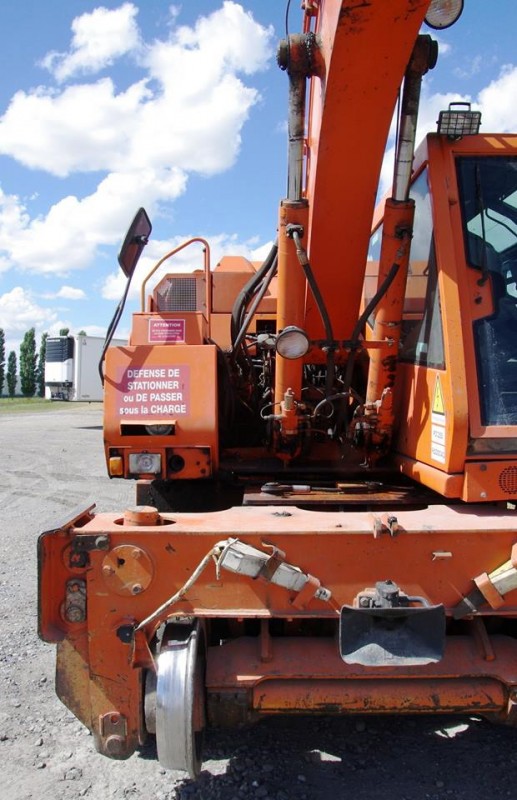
156,391
166,330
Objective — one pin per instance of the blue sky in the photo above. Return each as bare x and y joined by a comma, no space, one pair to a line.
178,107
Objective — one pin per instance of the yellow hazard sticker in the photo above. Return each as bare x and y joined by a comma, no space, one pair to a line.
438,404
438,429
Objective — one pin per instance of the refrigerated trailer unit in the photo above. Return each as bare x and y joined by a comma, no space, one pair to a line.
72,367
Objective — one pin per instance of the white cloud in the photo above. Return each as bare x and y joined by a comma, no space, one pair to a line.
99,38
497,103
259,253
94,330
71,293
430,107
84,128
144,140
68,238
185,261
19,312
471,67
13,220
90,127
230,37
444,48
174,11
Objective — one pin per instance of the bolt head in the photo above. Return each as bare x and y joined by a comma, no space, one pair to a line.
75,614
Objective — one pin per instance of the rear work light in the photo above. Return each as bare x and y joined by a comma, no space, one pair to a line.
459,121
145,463
292,342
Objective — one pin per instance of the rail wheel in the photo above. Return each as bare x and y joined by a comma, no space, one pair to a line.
180,698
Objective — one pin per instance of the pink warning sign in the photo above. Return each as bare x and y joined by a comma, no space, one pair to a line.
166,330
154,391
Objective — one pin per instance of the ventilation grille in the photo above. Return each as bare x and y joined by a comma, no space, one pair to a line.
59,349
177,294
508,480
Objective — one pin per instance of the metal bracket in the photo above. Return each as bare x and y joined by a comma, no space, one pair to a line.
79,514
387,523
293,228
113,729
81,546
276,558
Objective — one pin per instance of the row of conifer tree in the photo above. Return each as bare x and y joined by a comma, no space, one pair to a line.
28,367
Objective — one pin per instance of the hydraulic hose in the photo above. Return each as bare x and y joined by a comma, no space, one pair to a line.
247,292
311,280
260,292
359,325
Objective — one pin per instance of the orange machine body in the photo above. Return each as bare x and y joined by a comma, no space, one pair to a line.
280,650
325,445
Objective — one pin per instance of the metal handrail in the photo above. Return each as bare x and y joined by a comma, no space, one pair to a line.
206,252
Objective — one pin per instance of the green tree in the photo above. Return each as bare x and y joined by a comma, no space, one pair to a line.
2,360
64,331
40,370
28,359
82,333
11,374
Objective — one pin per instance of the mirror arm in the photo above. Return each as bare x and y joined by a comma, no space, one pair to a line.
112,328
140,240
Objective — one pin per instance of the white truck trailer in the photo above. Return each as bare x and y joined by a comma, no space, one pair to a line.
72,367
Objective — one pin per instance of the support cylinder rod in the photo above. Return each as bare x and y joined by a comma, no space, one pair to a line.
395,249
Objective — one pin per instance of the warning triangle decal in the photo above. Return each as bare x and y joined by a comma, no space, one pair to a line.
438,405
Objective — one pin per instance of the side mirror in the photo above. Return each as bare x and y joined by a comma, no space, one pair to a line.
135,241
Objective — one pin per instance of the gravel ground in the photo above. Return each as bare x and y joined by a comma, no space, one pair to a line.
54,461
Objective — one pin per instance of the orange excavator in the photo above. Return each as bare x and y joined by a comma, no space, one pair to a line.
325,444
